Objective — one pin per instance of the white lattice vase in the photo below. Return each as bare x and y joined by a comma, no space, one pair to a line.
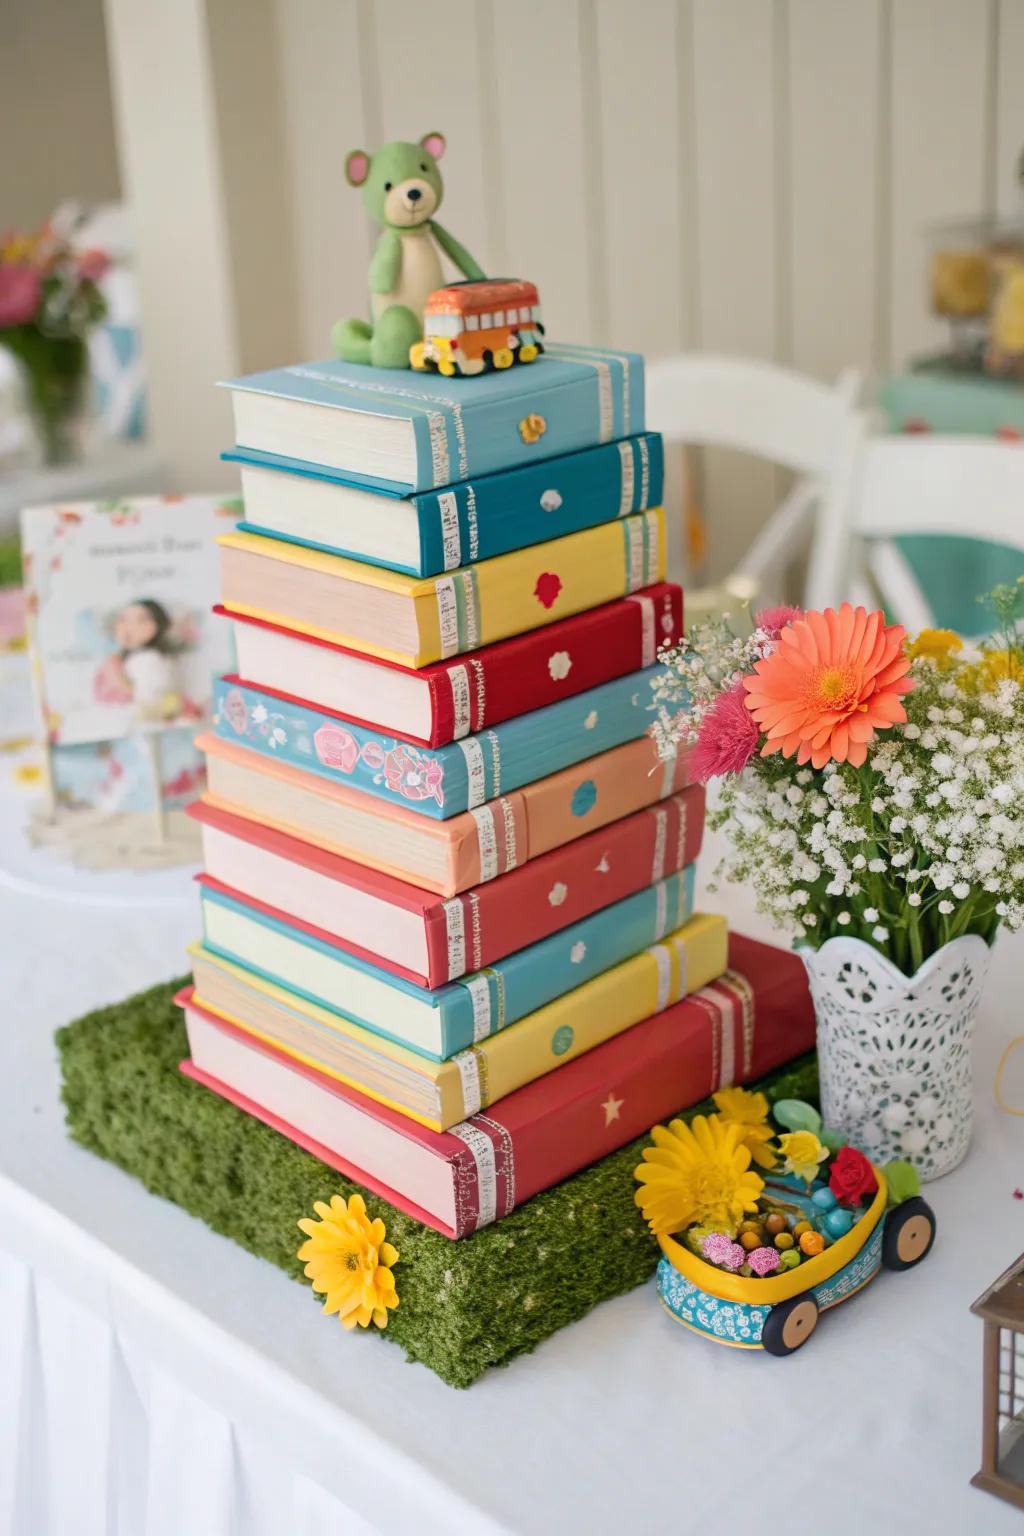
894,1051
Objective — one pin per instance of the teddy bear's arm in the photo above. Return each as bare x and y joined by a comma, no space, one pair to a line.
458,253
386,262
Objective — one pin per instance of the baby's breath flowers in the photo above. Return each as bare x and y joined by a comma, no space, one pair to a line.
920,843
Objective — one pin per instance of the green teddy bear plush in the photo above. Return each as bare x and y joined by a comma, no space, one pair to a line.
402,190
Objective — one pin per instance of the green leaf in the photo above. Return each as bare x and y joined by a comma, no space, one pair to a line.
796,1115
902,1180
831,1139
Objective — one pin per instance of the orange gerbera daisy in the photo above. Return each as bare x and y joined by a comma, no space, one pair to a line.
832,681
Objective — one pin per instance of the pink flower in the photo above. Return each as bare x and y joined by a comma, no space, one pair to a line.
336,748
720,1249
727,739
19,295
372,754
93,264
763,1260
774,620
408,773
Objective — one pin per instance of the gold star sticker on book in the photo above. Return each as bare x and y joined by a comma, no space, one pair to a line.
611,1107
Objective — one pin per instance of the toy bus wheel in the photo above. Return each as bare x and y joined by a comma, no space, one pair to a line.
909,1234
789,1325
527,352
504,357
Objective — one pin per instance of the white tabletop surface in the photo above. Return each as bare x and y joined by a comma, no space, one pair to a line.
621,1421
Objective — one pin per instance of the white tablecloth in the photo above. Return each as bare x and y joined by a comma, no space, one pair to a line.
155,1380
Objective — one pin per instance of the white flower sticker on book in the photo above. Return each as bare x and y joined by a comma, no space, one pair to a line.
604,866
550,501
559,664
578,952
557,894
590,721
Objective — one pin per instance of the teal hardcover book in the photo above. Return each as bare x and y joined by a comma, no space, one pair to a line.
395,430
440,1023
439,782
428,532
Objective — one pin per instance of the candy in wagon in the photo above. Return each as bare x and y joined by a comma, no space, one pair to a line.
475,326
763,1227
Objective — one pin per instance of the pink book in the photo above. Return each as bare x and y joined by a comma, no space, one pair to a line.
422,937
443,856
755,1017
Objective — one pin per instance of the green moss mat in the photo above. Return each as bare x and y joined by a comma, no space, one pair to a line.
10,561
464,1306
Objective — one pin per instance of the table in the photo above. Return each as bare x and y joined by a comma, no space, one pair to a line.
114,469
156,1380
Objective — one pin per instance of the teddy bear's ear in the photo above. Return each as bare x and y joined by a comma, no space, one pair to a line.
357,167
433,143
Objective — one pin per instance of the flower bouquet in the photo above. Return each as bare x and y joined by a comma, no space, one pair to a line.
49,301
761,1229
870,793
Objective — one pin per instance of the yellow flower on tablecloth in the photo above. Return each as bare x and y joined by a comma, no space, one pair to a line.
697,1174
938,645
738,1106
349,1262
803,1153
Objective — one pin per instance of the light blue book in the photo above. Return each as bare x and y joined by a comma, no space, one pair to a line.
428,532
436,781
439,1023
399,431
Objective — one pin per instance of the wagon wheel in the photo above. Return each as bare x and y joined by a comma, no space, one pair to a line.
909,1234
789,1325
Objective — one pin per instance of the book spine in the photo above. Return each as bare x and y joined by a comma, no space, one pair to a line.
482,690
479,519
531,588
478,927
733,1031
584,1018
480,1005
603,402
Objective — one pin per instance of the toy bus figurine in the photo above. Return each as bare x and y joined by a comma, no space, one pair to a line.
475,326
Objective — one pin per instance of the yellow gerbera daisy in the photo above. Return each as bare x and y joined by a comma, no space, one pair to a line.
804,1154
348,1260
697,1173
738,1106
938,645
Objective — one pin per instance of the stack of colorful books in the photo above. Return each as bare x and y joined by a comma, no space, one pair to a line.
449,941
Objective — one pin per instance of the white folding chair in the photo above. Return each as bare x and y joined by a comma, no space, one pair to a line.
971,487
811,428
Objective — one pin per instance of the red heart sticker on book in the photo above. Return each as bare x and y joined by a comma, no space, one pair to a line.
548,587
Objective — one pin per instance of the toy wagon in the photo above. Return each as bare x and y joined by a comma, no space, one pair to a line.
478,325
779,1312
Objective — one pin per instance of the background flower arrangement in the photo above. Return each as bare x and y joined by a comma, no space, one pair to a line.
49,302
867,786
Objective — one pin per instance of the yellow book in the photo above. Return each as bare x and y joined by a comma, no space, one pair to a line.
441,1094
416,620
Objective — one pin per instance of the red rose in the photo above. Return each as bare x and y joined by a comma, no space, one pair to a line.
852,1176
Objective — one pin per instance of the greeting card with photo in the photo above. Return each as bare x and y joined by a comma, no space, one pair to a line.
120,630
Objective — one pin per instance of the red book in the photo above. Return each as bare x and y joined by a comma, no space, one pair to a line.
754,1018
451,699
421,936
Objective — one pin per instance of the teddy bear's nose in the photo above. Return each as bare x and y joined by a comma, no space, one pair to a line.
414,194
